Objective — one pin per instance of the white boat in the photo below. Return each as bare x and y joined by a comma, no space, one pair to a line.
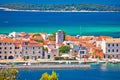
29,63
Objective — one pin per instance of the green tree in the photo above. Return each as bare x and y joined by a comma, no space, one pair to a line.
45,49
52,37
53,76
46,76
64,49
37,34
40,41
8,74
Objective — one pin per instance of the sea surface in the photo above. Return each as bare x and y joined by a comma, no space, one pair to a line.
73,23
96,72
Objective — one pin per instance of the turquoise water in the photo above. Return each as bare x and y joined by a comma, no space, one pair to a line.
96,72
73,23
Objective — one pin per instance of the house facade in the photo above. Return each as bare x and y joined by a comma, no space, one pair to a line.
15,49
111,48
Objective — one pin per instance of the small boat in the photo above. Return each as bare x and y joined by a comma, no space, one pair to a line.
29,63
114,62
68,62
25,64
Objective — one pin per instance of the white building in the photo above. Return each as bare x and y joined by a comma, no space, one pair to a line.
111,47
44,36
13,34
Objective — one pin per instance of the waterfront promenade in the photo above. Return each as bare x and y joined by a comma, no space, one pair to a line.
47,66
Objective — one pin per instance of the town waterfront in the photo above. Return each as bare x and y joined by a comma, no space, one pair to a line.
96,72
73,23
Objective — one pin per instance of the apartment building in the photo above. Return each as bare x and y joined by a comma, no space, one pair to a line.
111,47
17,49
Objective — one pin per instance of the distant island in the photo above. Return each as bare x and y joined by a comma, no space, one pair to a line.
60,7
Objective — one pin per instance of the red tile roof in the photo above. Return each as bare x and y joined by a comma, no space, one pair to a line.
100,38
6,40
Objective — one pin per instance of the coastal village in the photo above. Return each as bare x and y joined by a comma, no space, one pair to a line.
43,46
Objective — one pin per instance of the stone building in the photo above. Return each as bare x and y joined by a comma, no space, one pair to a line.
111,47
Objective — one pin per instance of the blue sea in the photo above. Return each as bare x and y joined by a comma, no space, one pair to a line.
96,72
73,23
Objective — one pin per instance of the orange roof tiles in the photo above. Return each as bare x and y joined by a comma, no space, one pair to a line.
88,45
6,40
49,42
22,34
97,53
59,45
100,38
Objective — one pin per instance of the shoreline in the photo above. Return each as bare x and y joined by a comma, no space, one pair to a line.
8,9
63,66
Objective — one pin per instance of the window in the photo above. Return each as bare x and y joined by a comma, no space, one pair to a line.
0,52
15,47
0,43
39,48
117,50
5,52
27,57
5,48
48,56
113,45
10,52
10,47
20,52
39,51
38,56
4,43
0,47
108,45
117,45
10,43
5,57
26,48
108,50
26,43
33,47
33,52
26,51
15,52
113,50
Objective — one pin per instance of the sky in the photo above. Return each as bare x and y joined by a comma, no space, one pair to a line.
106,2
